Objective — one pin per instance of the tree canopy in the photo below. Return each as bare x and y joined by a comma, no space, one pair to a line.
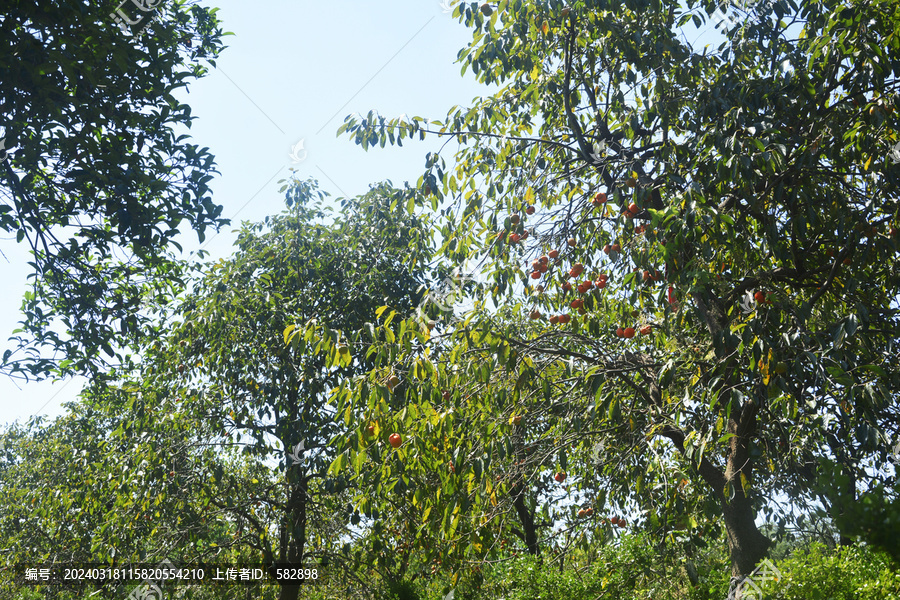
692,254
97,175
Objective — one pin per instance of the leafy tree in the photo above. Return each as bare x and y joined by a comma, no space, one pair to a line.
720,232
89,488
93,174
225,359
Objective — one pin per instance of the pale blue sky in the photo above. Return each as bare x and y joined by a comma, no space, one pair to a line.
292,71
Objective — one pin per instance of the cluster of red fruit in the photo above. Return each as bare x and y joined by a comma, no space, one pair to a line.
632,210
629,332
585,512
620,521
599,199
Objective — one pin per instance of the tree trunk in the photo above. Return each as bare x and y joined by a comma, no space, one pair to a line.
296,535
526,518
746,543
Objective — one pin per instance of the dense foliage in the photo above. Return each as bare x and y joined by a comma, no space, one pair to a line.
94,172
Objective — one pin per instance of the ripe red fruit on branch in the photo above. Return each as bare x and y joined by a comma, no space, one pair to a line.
544,259
577,303
571,242
629,332
567,287
760,297
563,319
633,208
536,275
446,395
616,248
620,332
529,210
646,329
514,237
554,319
554,254
395,440
606,249
614,520
576,270
560,476
599,199
535,314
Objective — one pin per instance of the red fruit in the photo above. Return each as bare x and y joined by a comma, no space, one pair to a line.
571,242
514,237
646,329
581,513
544,259
599,198
633,208
576,270
563,319
370,430
588,512
671,294
535,314
616,248
446,395
542,267
540,289
554,319
529,210
536,275
554,253
567,287
577,303
395,440
621,522
606,249
614,520
588,284
560,476
760,297
600,283
629,332
524,235
647,276
620,332
893,231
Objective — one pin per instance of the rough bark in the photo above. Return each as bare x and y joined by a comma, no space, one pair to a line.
294,534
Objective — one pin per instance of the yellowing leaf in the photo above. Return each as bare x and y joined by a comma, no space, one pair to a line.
545,27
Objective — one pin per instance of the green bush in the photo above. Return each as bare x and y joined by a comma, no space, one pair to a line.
854,573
